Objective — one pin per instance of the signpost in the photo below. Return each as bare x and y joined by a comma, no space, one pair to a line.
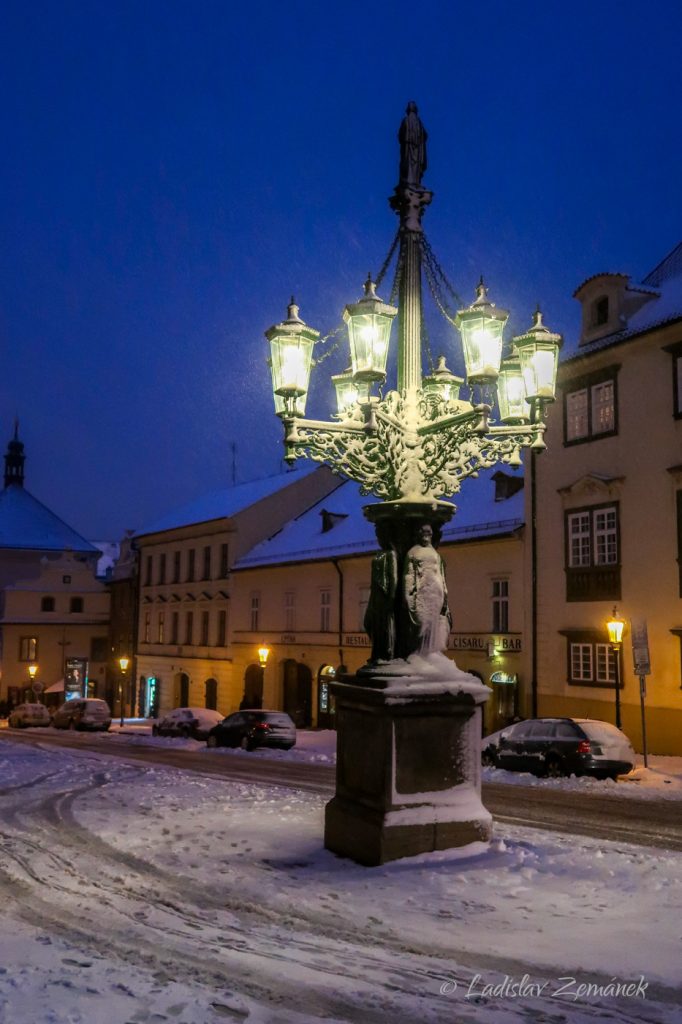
642,663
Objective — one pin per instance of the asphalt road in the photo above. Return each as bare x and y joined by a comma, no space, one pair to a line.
650,822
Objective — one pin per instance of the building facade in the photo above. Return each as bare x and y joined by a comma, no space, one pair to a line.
303,593
184,630
609,510
53,610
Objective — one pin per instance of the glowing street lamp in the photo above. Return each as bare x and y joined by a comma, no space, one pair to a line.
263,655
615,626
442,385
349,391
369,329
538,352
481,325
511,393
123,662
291,354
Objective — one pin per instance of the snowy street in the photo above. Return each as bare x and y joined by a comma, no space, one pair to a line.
137,893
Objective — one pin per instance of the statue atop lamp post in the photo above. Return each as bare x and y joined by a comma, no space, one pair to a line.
408,722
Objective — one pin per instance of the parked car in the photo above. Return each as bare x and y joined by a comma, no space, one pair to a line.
83,713
26,716
249,729
194,723
561,746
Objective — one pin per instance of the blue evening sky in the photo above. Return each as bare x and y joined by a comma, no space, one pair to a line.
173,171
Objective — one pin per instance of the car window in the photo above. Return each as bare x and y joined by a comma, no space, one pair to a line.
538,729
234,719
602,732
565,730
518,731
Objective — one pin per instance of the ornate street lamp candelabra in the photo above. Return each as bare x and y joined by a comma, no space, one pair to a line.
412,447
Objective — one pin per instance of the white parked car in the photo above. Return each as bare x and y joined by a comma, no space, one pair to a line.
26,716
194,723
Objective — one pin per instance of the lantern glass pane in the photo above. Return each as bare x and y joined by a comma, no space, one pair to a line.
369,335
349,392
511,394
482,340
291,358
539,366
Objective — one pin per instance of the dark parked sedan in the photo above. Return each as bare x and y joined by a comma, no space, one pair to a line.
251,729
561,746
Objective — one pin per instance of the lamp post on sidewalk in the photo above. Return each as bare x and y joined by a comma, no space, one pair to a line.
615,626
123,662
418,714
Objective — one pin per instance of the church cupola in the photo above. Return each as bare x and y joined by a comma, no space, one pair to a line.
15,459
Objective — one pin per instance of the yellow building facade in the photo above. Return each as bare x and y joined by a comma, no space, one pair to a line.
303,594
186,598
609,511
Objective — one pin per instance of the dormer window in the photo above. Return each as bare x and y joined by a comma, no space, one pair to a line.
600,311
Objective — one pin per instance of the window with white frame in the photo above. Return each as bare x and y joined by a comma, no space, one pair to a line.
591,663
592,554
325,610
290,611
255,612
593,537
500,605
590,407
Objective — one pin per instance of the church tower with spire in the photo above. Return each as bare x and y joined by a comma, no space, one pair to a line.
14,460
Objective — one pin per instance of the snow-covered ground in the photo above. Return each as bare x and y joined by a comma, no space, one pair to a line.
135,894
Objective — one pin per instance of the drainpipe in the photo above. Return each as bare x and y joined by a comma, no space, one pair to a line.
336,565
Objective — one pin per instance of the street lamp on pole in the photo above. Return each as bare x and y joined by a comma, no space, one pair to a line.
615,626
32,672
412,448
263,655
123,662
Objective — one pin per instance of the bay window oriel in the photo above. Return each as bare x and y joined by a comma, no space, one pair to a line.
592,553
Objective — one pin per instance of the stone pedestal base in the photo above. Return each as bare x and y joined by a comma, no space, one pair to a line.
408,766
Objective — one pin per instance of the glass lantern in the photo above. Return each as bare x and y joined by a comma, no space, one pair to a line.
442,384
291,354
349,391
369,329
511,393
481,325
538,352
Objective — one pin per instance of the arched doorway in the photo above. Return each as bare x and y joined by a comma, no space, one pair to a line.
211,694
253,687
297,692
181,690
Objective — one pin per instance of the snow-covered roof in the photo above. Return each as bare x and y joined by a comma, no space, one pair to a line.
227,502
665,307
26,523
303,539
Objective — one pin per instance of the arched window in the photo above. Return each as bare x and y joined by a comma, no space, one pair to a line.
47,604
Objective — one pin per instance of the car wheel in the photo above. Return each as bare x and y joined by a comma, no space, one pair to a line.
72,723
155,730
488,758
185,734
554,768
212,742
246,743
